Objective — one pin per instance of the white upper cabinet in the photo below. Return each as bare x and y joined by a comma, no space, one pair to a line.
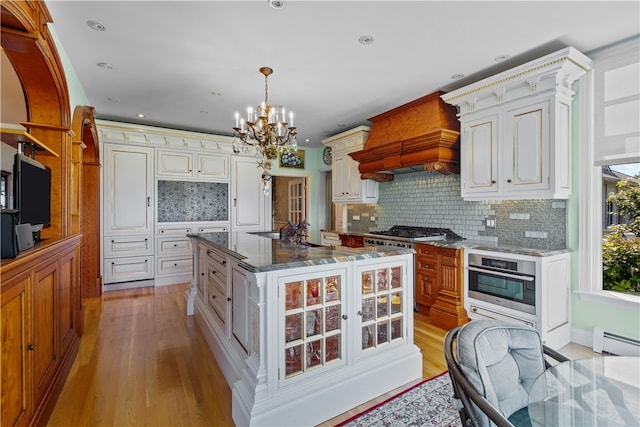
347,187
248,203
516,130
186,164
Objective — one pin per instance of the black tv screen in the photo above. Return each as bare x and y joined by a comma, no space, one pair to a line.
32,191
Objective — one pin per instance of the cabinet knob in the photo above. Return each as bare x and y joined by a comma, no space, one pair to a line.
213,297
30,347
213,272
493,181
359,313
224,262
345,317
202,274
175,264
509,180
175,245
161,231
228,299
426,266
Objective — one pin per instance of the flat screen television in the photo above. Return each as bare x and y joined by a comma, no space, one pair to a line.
32,191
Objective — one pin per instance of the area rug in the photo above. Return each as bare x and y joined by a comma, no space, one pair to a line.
429,403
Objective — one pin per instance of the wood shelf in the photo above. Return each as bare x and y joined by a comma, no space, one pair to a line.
13,137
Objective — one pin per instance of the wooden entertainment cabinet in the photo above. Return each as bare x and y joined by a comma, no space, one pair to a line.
41,312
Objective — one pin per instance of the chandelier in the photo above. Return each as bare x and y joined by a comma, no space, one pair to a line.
265,130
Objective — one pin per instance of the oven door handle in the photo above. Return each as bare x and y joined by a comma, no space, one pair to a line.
498,273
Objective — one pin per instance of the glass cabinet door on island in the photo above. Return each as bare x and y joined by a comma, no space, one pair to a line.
313,331
381,309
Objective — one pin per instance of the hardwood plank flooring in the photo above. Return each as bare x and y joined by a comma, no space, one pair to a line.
143,362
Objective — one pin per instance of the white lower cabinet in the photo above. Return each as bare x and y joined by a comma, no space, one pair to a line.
302,345
128,269
174,253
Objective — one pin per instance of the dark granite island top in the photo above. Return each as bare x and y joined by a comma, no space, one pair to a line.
264,251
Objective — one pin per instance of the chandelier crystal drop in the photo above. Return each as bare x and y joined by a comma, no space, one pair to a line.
266,130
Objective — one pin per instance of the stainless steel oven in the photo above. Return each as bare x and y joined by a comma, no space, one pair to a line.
502,281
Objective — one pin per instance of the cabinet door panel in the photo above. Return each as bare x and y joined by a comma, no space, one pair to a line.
212,166
15,358
479,156
66,313
128,189
526,158
249,198
171,163
240,308
45,351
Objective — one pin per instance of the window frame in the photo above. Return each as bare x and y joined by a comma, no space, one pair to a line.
590,202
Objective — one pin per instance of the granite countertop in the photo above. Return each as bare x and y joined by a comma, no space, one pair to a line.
482,245
265,252
487,246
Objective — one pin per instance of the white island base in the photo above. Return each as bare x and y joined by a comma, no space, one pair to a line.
302,344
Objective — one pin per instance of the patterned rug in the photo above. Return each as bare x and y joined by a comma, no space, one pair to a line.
426,404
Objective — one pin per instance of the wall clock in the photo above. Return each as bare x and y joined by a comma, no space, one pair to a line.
326,155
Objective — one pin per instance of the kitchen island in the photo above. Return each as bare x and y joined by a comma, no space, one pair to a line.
303,333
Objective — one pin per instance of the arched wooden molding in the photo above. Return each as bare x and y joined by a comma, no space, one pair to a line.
86,171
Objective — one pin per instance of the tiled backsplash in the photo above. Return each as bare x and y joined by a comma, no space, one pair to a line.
180,201
430,199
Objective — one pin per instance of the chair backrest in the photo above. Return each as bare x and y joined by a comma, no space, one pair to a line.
500,360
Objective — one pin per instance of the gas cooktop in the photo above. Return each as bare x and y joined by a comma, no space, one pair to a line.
416,234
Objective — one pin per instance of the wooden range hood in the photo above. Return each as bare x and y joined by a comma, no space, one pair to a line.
422,135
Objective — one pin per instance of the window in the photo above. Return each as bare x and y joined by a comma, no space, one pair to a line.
610,116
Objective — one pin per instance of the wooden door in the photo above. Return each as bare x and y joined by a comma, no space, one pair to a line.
297,201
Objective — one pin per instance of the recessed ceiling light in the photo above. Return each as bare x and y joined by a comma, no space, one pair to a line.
105,65
140,115
365,39
96,26
306,140
501,58
276,4
457,76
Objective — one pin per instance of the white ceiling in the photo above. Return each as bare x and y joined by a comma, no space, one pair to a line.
168,57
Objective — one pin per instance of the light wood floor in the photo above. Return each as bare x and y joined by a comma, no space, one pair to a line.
143,362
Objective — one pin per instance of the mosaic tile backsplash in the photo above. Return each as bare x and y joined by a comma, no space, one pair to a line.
180,201
429,199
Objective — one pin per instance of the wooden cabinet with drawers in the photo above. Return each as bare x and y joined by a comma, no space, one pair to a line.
439,285
352,241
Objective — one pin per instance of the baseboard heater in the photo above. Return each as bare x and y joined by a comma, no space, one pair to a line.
606,342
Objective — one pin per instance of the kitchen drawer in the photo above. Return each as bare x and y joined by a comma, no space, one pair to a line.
180,230
210,228
426,250
128,246
327,238
449,257
128,269
173,245
169,266
217,301
217,261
